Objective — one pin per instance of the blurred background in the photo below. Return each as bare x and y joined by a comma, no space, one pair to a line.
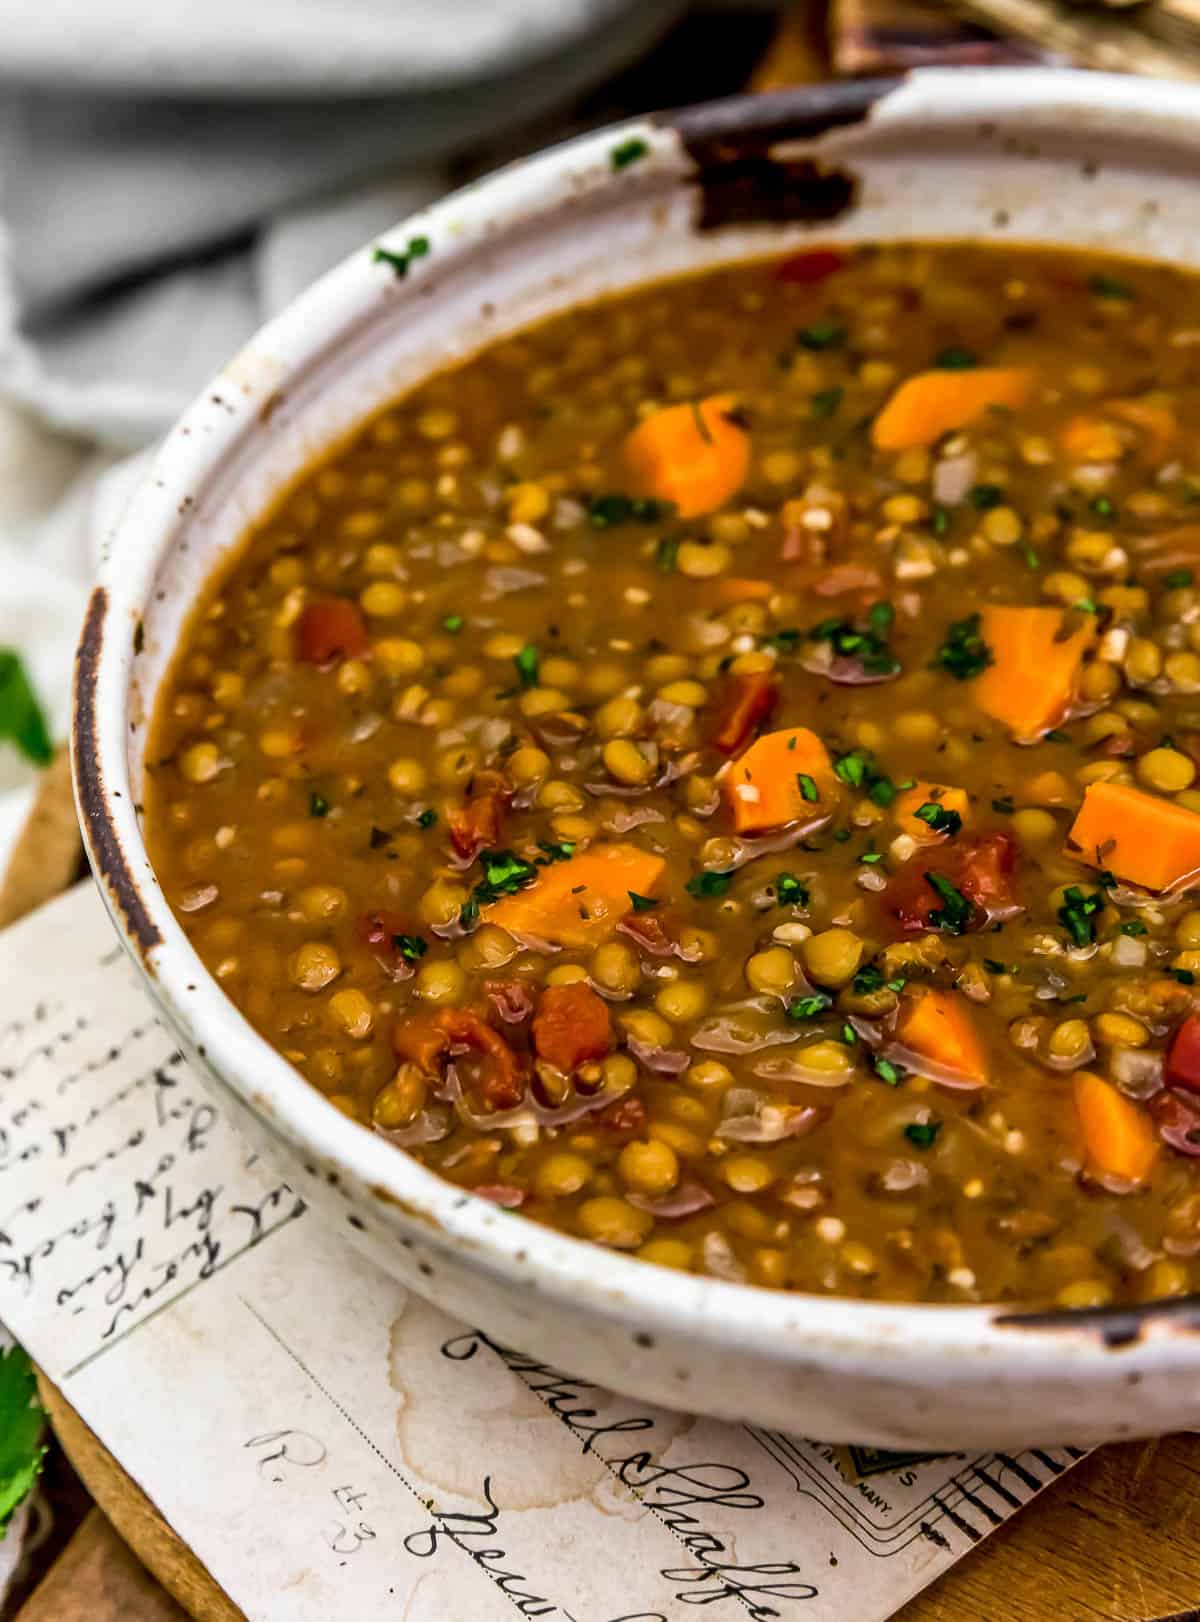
171,176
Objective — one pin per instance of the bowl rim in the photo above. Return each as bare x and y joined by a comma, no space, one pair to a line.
884,1336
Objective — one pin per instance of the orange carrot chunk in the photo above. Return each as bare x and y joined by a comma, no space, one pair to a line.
1138,836
692,455
1118,1137
783,777
937,1029
931,404
926,830
579,902
1036,657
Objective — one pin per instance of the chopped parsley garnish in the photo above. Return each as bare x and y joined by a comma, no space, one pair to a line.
666,553
963,653
705,885
954,358
824,404
870,979
562,852
870,856
849,1035
954,915
1103,507
318,805
1077,914
1109,287
893,1074
985,496
1085,605
940,521
869,648
1134,926
789,892
807,787
453,623
642,903
822,335
1004,807
21,717
1184,976
417,248
1056,735
427,818
940,818
1177,579
604,512
504,873
785,641
922,1134
410,946
528,662
853,768
22,1424
627,152
1029,555
809,1007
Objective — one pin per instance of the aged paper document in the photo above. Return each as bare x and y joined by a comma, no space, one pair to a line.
331,1446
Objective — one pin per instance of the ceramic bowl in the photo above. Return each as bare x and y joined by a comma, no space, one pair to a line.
1002,155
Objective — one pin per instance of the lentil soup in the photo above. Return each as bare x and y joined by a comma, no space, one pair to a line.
717,773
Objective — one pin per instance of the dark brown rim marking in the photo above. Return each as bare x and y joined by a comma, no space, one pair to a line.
1113,1327
741,181
104,847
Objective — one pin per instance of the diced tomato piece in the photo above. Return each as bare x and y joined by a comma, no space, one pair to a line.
981,869
1178,1121
381,931
500,1083
329,629
1181,1067
627,1115
571,1026
744,704
812,266
476,824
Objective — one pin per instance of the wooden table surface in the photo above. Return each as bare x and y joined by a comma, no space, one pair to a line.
1117,1539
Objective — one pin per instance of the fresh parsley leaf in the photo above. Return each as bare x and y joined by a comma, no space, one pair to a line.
318,805
809,1007
1109,287
870,979
1178,578
868,648
954,915
1134,926
504,873
21,717
963,652
1184,976
822,335
789,892
985,496
666,553
417,248
427,818
706,885
643,903
1056,735
940,818
410,946
605,512
849,1035
1028,555
561,852
954,358
627,152
1103,506
21,1430
453,623
1077,914
824,404
922,1134
807,787
785,641
528,662
853,768
940,521
870,856
887,1071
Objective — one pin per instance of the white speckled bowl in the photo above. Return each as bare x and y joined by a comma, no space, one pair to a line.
1026,155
